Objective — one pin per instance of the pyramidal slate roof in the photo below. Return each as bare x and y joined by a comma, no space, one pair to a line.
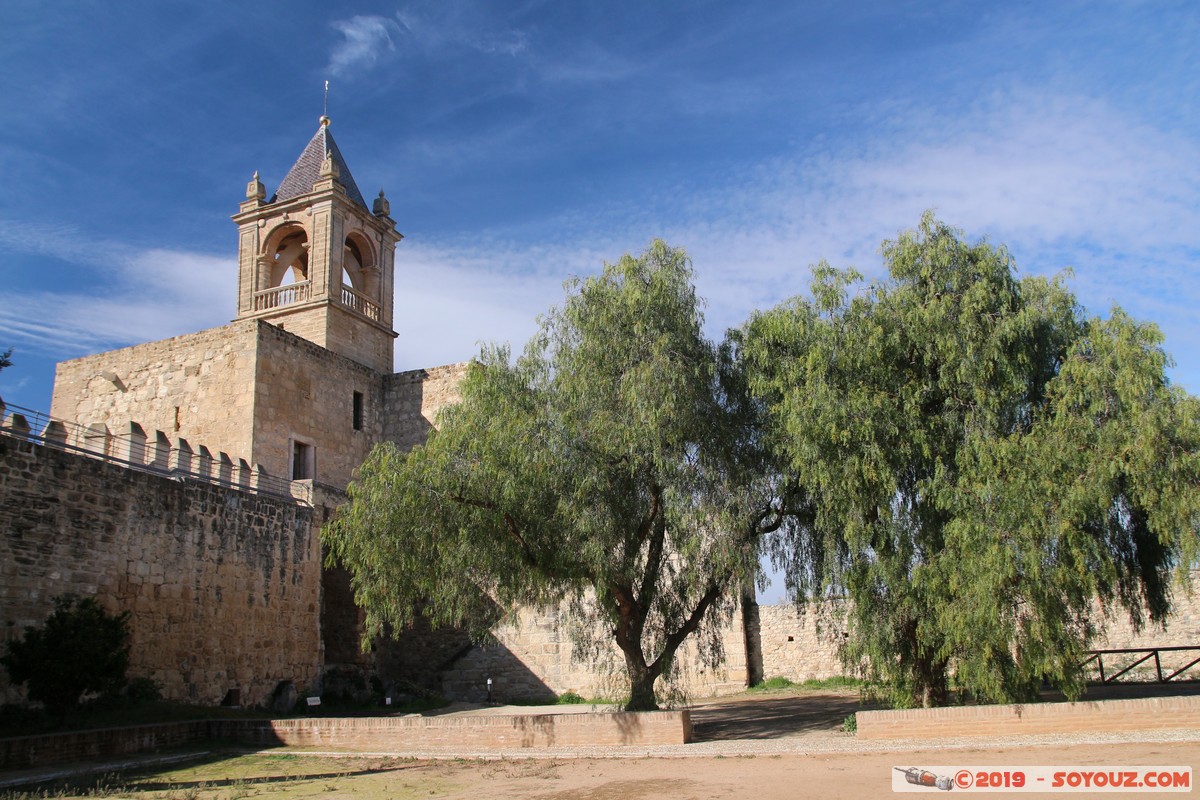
307,169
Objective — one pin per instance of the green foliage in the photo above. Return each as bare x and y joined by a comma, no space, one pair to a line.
571,699
81,649
780,683
850,724
980,461
6,358
836,682
143,690
612,465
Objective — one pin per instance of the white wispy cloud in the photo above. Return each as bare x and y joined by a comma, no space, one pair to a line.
1062,181
118,295
434,28
368,41
365,39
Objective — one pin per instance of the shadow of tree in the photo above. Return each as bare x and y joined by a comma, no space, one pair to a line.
773,718
136,779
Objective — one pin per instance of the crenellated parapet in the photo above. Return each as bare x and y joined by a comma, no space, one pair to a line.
130,446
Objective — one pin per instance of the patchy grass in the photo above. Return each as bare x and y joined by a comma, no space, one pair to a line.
19,721
235,776
118,712
779,683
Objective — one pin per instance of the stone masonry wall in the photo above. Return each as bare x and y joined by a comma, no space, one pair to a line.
223,586
799,646
198,387
359,340
412,400
533,658
305,392
1182,630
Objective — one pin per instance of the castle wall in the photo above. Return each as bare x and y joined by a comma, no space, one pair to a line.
802,645
199,387
412,400
223,586
533,657
798,645
358,340
305,392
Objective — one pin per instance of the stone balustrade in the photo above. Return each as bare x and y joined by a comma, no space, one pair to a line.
358,302
280,296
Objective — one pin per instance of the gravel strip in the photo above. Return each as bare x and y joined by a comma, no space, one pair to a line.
810,744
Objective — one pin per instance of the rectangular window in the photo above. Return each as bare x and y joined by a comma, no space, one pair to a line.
302,461
358,411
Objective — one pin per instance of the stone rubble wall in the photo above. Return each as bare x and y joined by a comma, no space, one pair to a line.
802,645
223,586
413,399
1182,630
533,658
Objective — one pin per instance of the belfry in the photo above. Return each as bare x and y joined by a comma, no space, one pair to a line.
313,259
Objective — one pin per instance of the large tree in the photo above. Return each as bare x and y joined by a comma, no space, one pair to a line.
982,461
613,464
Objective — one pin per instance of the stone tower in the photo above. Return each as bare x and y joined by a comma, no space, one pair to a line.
316,261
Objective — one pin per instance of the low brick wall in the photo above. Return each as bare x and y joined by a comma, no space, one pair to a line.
1155,713
463,733
24,752
423,734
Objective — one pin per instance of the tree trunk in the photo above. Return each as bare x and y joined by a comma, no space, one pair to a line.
933,682
631,622
641,685
930,678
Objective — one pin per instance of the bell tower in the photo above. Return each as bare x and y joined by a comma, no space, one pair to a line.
316,261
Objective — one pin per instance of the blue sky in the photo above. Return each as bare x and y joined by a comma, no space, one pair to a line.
522,143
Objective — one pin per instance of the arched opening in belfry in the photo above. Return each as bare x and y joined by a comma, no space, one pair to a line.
289,258
358,266
360,276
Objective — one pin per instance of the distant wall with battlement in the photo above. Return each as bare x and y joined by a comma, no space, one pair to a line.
800,645
224,585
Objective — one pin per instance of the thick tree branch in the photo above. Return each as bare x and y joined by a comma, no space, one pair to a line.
650,576
675,638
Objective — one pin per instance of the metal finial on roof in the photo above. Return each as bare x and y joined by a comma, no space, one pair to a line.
325,114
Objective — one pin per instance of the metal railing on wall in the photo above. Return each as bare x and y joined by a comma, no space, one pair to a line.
1097,657
156,454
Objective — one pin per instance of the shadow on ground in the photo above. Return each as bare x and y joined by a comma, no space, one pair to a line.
801,714
774,718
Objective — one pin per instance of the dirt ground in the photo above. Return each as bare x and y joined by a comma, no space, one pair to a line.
762,777
760,747
790,776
